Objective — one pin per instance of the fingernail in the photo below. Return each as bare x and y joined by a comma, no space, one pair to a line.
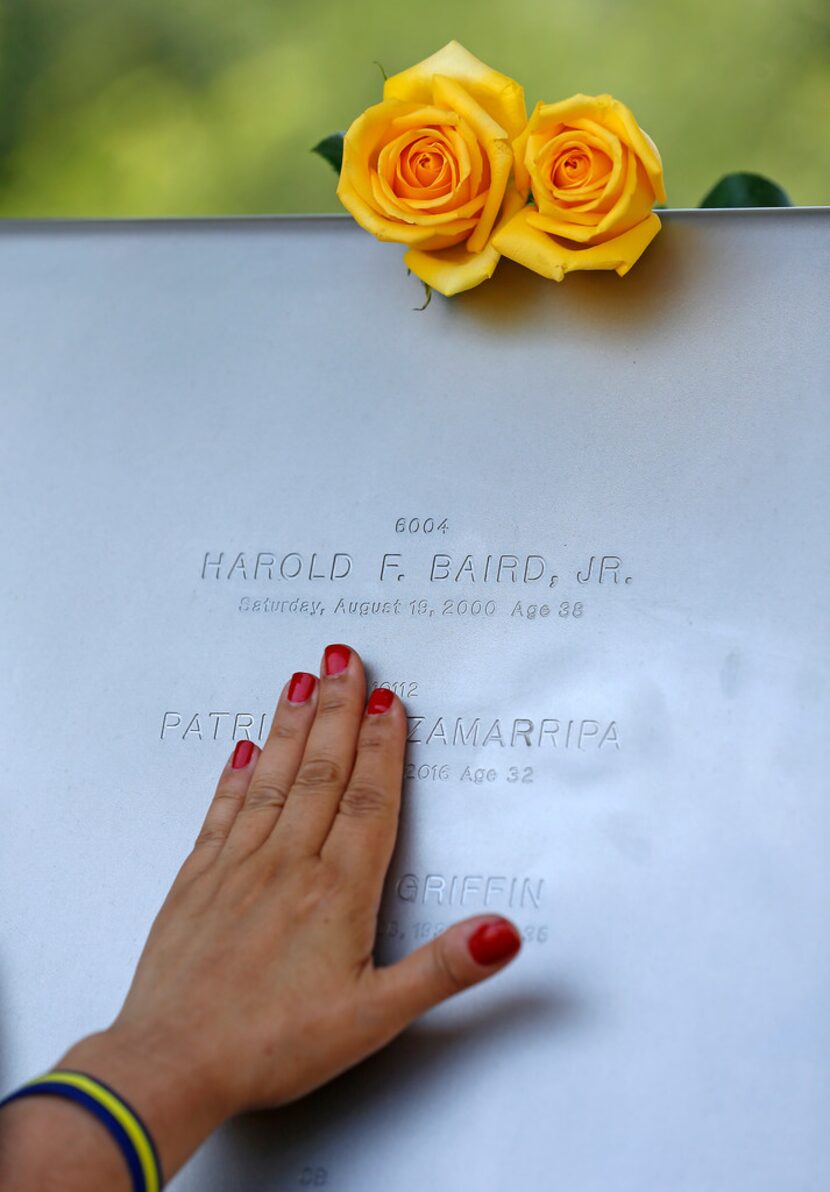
242,754
301,687
336,659
379,701
493,942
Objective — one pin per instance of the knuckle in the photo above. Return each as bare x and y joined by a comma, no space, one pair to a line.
370,742
332,702
283,732
222,811
209,836
364,799
266,793
319,772
225,800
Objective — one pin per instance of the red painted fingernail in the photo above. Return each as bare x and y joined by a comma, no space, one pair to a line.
379,701
242,754
336,659
301,687
493,942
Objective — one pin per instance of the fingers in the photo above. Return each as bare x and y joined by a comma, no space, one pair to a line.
329,775
363,832
277,767
329,754
225,805
462,956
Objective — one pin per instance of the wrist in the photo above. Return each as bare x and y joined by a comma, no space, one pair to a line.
156,1076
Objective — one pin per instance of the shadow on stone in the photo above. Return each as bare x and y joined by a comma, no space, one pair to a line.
412,1067
516,298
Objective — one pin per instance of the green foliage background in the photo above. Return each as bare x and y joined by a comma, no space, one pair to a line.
153,107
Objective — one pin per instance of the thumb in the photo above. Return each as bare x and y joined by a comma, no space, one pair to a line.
463,955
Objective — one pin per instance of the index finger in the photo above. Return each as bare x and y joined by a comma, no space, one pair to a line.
363,833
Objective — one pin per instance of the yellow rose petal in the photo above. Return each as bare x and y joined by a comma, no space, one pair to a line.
494,140
439,241
396,230
393,195
633,243
454,270
520,241
419,115
634,203
363,139
526,244
605,195
521,174
644,147
500,96
546,129
357,186
631,208
475,155
458,190
576,204
615,116
457,219
554,225
431,141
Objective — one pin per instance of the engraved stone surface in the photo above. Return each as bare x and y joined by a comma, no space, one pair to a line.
581,530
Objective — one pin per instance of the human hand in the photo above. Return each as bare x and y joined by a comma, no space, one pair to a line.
257,982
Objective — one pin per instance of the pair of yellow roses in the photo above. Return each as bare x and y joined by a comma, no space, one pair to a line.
447,162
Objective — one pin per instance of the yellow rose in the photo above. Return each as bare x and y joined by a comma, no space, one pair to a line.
594,176
429,166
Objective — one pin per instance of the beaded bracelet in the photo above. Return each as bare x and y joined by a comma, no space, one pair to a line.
112,1111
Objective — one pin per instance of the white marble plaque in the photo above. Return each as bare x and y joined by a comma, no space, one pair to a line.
581,530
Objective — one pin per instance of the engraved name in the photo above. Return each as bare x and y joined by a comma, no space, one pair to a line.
269,566
560,734
571,734
470,889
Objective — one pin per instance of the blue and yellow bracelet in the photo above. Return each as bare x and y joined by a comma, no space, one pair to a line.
112,1111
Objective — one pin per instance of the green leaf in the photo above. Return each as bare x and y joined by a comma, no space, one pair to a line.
746,190
331,148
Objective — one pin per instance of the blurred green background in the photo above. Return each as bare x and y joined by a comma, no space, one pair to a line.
154,107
